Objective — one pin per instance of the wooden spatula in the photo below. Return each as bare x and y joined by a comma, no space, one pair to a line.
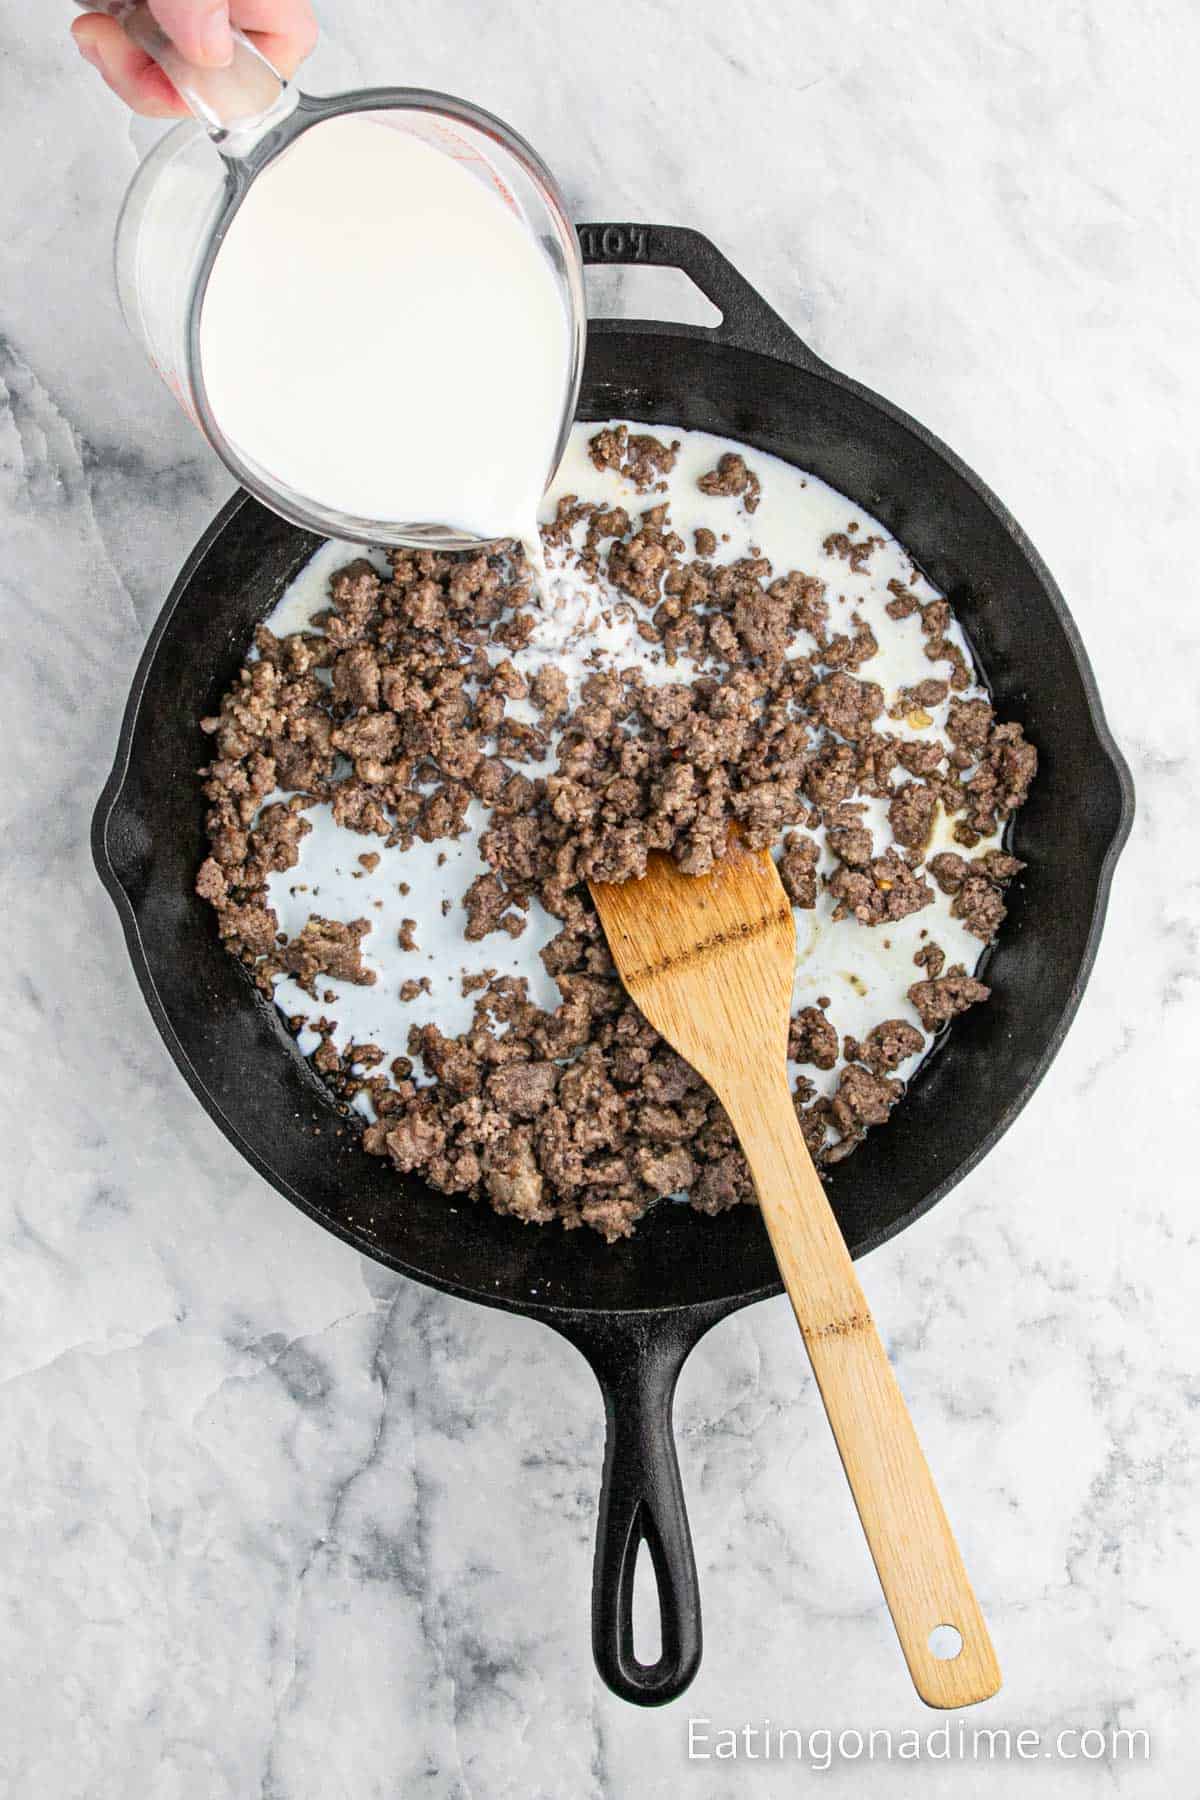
710,960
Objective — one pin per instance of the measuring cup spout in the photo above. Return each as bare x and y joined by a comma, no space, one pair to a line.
236,105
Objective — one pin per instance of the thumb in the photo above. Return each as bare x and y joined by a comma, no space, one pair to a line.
198,28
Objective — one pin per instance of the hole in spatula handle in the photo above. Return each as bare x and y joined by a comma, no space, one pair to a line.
945,1642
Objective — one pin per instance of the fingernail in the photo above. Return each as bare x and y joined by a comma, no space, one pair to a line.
87,51
215,40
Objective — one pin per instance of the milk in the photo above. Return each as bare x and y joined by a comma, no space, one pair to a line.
863,972
382,334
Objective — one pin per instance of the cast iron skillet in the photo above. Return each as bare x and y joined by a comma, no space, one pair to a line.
636,1310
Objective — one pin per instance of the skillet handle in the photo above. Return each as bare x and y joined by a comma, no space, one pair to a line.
641,1500
747,322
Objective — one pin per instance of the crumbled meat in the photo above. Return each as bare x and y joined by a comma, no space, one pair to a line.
932,958
637,456
849,838
798,869
453,1062
248,929
846,705
665,1171
979,905
523,1088
1001,782
856,551
763,625
831,776
903,603
514,1181
731,476
356,678
275,840
967,725
408,704
945,997
976,887
886,1046
935,623
812,1039
885,891
210,882
911,813
326,947
723,1183
998,865
842,652
920,757
413,1139
491,907
914,701
862,1099
949,870
549,691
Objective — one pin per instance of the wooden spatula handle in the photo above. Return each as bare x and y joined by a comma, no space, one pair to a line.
919,1566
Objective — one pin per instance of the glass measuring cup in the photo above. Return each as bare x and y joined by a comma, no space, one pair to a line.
183,198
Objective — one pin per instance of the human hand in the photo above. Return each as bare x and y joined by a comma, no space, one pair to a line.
284,30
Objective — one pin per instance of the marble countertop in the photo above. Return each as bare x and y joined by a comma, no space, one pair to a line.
274,1522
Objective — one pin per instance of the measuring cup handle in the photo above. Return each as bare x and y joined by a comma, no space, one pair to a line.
233,103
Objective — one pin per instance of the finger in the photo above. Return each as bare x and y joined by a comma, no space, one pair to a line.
128,71
199,29
284,30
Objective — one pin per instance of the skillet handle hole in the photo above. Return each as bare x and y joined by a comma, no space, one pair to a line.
642,291
647,1611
